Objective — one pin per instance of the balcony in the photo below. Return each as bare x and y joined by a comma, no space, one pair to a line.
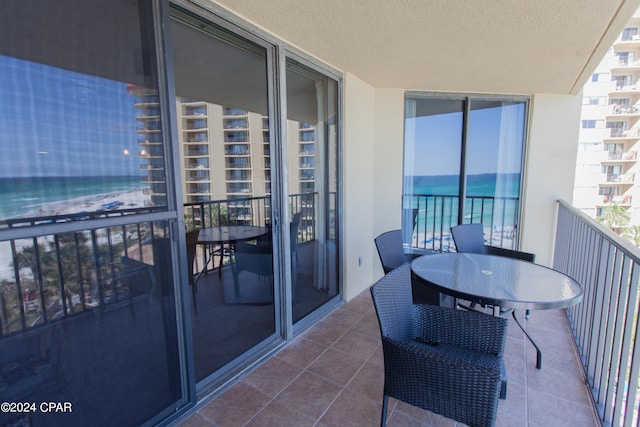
627,156
620,111
617,178
626,65
608,199
625,89
624,133
332,375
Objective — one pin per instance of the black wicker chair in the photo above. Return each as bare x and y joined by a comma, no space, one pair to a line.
444,360
391,252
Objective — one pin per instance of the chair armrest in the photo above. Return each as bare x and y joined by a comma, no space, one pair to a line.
470,330
509,253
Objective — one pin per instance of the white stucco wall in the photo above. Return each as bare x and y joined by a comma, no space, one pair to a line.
549,169
358,177
372,150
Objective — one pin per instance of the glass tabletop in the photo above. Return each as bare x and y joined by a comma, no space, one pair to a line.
496,280
230,233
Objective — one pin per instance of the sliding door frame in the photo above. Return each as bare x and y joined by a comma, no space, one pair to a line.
277,53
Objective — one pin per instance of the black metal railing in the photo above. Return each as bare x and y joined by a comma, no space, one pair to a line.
56,276
605,324
53,276
252,211
435,214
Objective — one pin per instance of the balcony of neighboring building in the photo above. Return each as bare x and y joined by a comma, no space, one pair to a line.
236,123
191,101
147,112
197,151
148,124
621,112
195,124
199,189
150,142
194,110
628,157
618,179
147,102
609,199
239,188
230,111
237,150
306,150
629,39
625,66
307,163
197,176
196,163
625,85
236,136
623,134
196,137
237,163
307,135
238,175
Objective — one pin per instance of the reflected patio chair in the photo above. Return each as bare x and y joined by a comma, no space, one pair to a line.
255,258
294,226
444,360
192,241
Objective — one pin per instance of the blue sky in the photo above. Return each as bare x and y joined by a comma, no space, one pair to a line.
438,142
60,123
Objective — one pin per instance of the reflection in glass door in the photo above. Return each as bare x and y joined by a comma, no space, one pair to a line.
432,151
223,129
495,140
312,105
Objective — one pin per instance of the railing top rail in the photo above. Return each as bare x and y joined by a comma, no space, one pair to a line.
456,196
627,247
243,199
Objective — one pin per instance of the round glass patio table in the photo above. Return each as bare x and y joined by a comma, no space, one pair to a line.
496,280
223,235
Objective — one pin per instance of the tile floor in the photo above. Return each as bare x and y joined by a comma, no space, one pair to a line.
332,375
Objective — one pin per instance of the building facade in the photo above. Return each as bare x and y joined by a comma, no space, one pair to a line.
607,162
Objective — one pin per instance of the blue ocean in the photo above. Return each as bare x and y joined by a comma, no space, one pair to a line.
487,185
18,196
492,199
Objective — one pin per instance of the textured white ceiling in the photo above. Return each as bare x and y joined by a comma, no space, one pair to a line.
496,46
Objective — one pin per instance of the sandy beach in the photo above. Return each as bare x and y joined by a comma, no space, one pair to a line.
131,199
134,198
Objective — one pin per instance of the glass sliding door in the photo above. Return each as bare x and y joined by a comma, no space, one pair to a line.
463,164
432,152
312,146
495,141
87,302
222,105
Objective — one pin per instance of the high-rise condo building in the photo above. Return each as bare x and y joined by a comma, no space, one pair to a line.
607,164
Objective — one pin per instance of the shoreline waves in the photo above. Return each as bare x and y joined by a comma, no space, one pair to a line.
132,198
40,196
